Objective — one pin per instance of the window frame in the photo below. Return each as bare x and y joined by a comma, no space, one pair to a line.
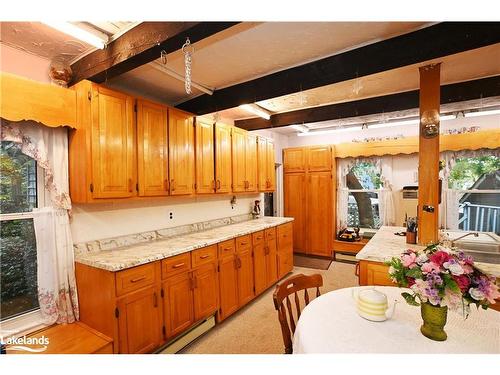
31,320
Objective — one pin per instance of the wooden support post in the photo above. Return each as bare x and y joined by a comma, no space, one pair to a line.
428,155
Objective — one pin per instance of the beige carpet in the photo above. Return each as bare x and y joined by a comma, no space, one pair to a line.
255,328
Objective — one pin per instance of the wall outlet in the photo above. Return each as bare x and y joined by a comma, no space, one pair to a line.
171,215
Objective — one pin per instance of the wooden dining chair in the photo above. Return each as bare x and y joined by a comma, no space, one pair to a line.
290,286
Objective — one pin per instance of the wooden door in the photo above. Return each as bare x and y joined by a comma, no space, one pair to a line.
205,291
239,141
178,303
139,327
319,225
181,152
295,206
271,261
271,170
262,165
223,158
152,148
285,263
294,159
113,144
245,276
251,162
319,158
228,286
260,267
205,173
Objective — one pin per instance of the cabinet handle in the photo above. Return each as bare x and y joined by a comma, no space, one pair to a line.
227,249
214,186
218,184
130,185
204,256
266,250
243,243
195,282
155,299
172,185
356,270
166,185
137,279
178,265
191,283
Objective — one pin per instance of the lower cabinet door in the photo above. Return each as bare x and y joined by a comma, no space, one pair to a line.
139,321
271,262
260,267
178,304
246,291
206,301
285,262
228,286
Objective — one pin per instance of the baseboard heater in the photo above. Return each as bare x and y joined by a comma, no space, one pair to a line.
182,341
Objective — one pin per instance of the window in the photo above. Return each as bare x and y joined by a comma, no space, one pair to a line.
18,266
363,182
476,181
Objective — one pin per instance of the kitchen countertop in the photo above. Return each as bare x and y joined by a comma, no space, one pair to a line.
134,255
385,245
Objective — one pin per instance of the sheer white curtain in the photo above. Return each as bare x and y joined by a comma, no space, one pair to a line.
57,293
386,204
343,168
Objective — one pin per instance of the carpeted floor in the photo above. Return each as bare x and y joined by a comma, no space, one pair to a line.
255,328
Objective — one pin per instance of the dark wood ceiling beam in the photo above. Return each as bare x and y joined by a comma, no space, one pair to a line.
432,42
141,45
452,93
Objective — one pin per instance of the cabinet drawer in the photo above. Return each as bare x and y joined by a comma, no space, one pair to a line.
244,242
285,233
270,234
203,256
134,278
257,238
226,248
174,265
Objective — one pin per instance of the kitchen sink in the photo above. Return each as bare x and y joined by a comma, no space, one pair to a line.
484,248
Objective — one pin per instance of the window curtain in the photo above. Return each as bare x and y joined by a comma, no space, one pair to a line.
57,293
450,199
386,203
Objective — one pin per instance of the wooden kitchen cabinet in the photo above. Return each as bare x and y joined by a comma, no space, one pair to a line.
244,161
374,273
265,165
205,158
181,152
244,264
223,178
271,249
206,286
178,303
139,321
152,148
228,279
285,249
295,206
294,159
264,259
319,158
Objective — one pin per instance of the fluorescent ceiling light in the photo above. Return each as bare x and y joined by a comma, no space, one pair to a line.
447,117
329,131
256,110
79,33
394,123
483,113
300,128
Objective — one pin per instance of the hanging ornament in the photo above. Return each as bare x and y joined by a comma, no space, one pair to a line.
188,50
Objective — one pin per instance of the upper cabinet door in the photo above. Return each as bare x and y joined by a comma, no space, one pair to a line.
271,171
251,162
262,165
205,175
222,158
152,148
113,143
294,160
239,139
181,152
319,158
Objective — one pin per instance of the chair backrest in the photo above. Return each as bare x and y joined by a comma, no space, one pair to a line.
290,286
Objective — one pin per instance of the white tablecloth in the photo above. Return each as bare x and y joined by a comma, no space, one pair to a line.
330,324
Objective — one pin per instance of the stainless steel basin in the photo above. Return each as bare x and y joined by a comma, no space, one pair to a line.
480,251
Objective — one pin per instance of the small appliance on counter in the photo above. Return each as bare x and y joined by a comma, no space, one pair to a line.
349,235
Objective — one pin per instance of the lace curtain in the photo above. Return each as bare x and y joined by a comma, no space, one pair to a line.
386,196
57,293
450,199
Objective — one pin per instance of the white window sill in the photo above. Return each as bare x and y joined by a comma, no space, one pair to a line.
21,325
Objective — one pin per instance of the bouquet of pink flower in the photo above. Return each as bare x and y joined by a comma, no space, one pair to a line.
442,277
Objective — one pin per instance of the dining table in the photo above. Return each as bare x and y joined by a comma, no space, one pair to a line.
331,324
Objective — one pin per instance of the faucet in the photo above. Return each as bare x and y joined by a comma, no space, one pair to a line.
475,234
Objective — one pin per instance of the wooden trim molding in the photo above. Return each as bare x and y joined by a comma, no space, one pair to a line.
451,142
22,99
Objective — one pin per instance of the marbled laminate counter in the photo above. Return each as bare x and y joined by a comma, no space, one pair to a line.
385,245
134,255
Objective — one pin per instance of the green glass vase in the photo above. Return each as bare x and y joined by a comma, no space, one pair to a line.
434,318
